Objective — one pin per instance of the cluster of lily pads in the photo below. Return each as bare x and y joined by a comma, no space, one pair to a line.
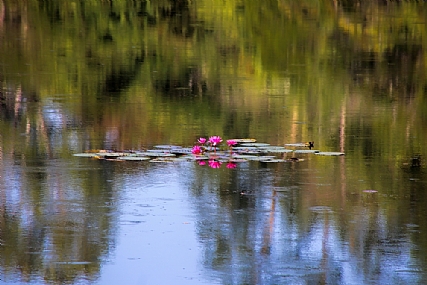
210,152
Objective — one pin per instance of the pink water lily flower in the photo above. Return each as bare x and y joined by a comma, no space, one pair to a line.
214,140
202,162
196,150
201,140
214,163
230,143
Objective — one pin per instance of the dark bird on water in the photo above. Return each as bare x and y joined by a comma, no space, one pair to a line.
309,145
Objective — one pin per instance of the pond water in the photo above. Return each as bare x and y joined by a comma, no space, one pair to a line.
80,76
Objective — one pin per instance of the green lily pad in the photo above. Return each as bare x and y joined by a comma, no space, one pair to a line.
241,156
134,158
238,160
158,150
296,144
167,146
155,154
306,151
262,158
244,140
245,148
110,154
183,150
85,154
198,157
330,153
276,149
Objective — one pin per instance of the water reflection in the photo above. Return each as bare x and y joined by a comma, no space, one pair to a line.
53,222
270,232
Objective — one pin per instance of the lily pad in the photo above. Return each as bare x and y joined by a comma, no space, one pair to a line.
249,152
158,150
155,154
276,149
296,144
244,140
245,148
262,158
110,154
85,154
330,153
241,156
238,160
198,157
163,159
183,150
307,151
167,146
134,158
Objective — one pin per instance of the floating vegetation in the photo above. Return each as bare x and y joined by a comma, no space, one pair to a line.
184,150
167,146
162,159
275,149
243,156
310,144
261,158
134,158
210,152
330,153
85,154
111,154
156,154
245,148
253,151
307,151
244,140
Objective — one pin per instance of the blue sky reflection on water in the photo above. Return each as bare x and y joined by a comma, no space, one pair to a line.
156,243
